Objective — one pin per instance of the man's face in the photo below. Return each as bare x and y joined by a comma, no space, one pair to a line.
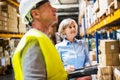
47,13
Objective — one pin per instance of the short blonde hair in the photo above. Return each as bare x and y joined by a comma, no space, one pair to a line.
64,24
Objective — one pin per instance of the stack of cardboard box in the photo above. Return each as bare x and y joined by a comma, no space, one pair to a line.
22,26
109,52
108,59
8,18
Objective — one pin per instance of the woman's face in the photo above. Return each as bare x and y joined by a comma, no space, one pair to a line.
71,30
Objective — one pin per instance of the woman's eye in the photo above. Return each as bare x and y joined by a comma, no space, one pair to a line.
73,26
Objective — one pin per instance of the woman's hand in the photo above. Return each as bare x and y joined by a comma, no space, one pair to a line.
84,78
69,68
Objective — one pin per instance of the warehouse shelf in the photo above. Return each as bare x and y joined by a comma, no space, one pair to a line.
8,35
13,2
111,20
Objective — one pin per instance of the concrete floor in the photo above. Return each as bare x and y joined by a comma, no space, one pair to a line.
11,77
7,77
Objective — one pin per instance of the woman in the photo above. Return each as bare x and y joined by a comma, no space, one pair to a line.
72,51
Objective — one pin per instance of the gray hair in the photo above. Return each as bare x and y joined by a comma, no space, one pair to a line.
64,24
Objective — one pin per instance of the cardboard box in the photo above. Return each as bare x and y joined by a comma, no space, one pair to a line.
7,61
11,9
96,6
103,5
92,55
107,77
104,77
110,59
2,61
105,73
4,14
0,22
109,46
105,70
100,58
3,18
1,51
116,74
119,57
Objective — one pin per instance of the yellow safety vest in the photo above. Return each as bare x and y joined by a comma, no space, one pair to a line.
54,67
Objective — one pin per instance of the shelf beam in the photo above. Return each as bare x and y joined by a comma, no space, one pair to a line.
111,18
4,35
13,2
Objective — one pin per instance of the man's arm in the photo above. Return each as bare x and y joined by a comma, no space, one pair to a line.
33,64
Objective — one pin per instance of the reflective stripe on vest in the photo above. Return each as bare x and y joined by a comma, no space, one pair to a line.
54,67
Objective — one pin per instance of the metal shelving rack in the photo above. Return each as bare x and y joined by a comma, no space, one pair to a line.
13,2
10,35
113,20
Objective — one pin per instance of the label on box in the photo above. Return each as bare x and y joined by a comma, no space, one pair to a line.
112,47
3,62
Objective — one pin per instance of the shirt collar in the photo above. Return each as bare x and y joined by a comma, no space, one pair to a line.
67,42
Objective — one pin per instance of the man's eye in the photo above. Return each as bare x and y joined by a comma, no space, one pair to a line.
70,27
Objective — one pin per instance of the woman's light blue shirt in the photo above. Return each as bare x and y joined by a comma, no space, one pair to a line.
74,53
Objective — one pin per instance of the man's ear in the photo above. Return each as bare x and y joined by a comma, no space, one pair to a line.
35,13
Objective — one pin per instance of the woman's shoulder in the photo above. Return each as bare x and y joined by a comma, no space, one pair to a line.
80,41
59,44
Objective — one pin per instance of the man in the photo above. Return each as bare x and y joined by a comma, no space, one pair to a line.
35,57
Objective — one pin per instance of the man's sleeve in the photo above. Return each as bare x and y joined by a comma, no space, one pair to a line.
33,64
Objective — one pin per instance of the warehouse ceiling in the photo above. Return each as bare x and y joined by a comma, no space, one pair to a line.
65,8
